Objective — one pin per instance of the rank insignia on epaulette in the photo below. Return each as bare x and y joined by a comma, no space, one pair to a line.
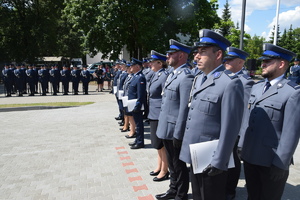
159,73
186,71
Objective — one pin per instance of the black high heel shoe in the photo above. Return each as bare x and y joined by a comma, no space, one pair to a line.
125,130
128,136
165,177
154,173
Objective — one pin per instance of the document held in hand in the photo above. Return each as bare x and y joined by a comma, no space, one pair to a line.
202,154
125,101
115,89
131,104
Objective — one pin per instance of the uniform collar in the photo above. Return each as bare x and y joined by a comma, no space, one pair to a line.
274,81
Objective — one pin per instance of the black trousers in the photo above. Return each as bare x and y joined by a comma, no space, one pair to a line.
206,187
138,119
233,173
259,184
179,175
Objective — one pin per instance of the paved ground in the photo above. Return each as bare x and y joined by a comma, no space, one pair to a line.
79,153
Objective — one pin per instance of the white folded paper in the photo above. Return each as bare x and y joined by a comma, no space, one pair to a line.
115,89
131,104
120,94
202,154
125,101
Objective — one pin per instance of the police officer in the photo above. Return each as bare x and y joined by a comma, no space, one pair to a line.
137,90
36,78
43,78
195,71
23,78
127,114
156,84
215,112
19,77
65,78
30,78
234,61
148,73
271,128
75,73
295,71
85,79
172,118
115,87
120,92
54,78
7,75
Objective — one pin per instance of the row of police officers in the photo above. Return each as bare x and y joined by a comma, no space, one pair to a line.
21,79
217,100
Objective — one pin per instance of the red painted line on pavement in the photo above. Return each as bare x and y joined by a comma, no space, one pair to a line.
141,187
127,164
128,171
137,178
149,197
117,148
125,158
123,152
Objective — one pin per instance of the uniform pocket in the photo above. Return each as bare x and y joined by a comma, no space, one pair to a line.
273,110
208,104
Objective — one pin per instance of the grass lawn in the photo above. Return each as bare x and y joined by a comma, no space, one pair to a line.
59,104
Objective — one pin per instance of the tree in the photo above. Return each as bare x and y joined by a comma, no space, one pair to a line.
139,25
32,29
226,24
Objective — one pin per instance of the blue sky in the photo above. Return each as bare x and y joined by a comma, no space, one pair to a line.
261,15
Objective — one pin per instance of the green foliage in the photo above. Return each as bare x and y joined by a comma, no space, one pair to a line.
140,25
225,25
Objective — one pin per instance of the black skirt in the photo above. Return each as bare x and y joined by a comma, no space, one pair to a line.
155,141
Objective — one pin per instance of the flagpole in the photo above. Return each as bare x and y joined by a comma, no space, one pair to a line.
242,25
276,23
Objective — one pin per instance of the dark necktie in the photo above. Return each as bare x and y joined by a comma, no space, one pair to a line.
203,79
267,86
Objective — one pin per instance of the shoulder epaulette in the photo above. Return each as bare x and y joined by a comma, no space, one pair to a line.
246,76
293,85
260,81
165,72
230,74
187,71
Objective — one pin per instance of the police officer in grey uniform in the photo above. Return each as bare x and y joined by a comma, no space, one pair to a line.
271,128
156,84
295,71
172,118
234,61
215,112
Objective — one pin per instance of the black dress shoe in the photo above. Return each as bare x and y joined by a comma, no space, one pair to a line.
128,136
166,195
137,146
118,118
165,177
154,173
125,130
131,143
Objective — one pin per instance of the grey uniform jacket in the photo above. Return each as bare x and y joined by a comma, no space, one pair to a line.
155,87
272,128
174,107
247,82
215,112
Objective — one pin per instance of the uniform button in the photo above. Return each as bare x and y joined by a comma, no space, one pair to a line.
195,98
189,118
192,108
